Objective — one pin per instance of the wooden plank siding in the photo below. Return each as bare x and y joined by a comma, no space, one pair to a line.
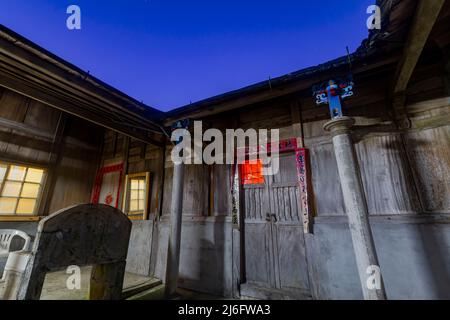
28,138
139,157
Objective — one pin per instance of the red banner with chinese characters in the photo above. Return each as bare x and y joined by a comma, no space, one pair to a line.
303,175
302,161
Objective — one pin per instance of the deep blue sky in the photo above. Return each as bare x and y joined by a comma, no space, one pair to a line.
170,52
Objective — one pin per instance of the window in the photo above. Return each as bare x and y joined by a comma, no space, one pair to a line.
20,188
252,172
136,195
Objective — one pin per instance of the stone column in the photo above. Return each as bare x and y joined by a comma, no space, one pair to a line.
176,212
356,206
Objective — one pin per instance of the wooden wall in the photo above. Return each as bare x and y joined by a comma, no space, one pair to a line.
137,157
206,189
35,134
404,170
18,145
77,165
428,148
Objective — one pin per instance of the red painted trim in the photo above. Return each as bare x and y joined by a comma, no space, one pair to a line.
285,145
99,179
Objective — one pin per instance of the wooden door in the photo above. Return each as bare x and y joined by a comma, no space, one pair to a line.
275,258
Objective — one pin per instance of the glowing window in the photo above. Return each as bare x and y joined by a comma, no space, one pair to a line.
20,188
137,192
136,195
252,172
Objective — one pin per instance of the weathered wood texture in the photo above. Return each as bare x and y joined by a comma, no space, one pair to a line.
206,189
196,190
386,176
326,189
401,175
327,193
140,249
19,146
139,158
429,151
76,168
274,242
221,190
80,235
266,116
167,191
29,139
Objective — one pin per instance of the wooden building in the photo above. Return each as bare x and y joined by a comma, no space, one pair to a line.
68,138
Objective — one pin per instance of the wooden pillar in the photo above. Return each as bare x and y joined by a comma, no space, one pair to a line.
54,159
176,212
356,206
446,63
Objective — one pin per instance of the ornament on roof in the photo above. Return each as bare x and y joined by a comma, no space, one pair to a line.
332,92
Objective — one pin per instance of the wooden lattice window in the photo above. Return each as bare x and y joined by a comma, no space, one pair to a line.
20,189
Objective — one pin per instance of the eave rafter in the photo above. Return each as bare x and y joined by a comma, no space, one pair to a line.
43,80
426,15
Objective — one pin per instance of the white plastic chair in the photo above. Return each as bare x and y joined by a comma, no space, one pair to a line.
6,236
15,265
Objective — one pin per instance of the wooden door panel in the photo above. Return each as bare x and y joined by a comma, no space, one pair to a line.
255,207
292,266
274,240
289,245
258,251
284,203
287,172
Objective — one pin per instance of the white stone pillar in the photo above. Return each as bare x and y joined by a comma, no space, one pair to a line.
176,212
356,208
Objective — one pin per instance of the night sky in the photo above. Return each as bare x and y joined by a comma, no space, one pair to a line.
168,53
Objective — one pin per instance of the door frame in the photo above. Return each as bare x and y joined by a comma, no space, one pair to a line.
285,146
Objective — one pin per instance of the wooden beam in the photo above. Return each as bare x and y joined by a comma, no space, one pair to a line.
297,125
208,108
52,99
25,57
125,155
54,160
426,15
446,55
160,189
176,218
37,134
25,128
18,159
57,86
20,218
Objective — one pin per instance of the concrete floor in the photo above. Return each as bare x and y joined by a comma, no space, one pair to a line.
184,294
55,287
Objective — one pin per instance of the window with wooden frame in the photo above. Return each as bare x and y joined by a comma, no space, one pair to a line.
20,189
136,195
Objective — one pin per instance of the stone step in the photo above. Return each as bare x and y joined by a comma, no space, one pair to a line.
154,293
251,291
142,287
